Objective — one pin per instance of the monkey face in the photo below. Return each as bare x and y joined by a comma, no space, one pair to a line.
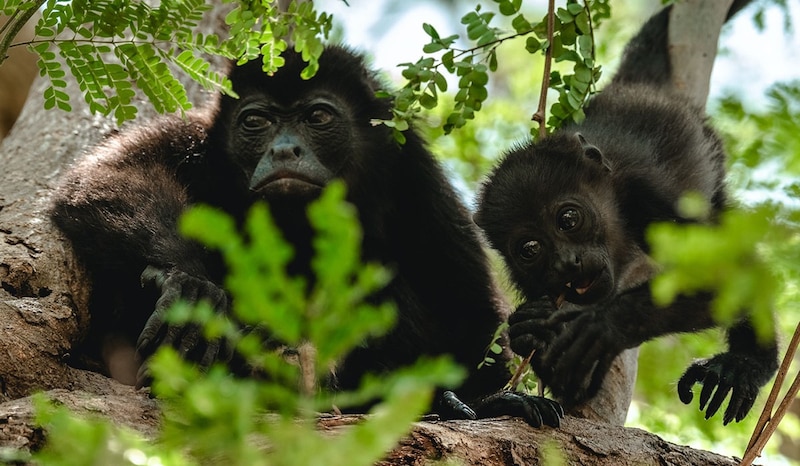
551,212
289,150
288,137
565,256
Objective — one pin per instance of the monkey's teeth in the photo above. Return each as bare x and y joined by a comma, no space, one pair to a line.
559,301
581,290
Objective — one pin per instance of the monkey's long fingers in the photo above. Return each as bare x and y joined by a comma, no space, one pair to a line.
734,406
567,348
694,374
454,408
213,352
570,361
523,314
552,412
185,338
527,336
709,384
154,330
723,388
747,404
532,414
143,376
599,374
152,334
591,370
564,315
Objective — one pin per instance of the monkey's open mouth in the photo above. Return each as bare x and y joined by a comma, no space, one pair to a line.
581,290
582,285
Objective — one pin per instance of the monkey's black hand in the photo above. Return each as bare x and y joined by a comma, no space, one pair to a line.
536,410
739,374
450,406
187,339
530,328
576,346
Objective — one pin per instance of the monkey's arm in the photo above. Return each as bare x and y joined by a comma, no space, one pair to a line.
577,344
120,206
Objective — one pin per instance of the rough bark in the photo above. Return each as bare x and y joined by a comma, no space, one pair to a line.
488,442
43,310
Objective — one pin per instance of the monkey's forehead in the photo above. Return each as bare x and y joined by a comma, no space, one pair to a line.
528,185
526,172
341,71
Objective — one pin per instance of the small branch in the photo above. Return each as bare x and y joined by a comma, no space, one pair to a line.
768,422
594,49
539,116
518,373
14,25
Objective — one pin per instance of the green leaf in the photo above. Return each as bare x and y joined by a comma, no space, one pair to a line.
575,8
430,30
432,47
427,101
508,8
440,81
520,24
532,45
582,23
564,15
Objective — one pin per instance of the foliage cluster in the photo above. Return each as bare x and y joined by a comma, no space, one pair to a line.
150,42
572,41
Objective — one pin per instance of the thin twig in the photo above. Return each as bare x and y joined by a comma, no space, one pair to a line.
512,384
14,26
773,394
539,116
594,49
768,422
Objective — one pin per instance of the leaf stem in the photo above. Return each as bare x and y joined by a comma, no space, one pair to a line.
539,116
14,25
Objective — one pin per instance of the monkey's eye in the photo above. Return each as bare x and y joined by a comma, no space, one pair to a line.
569,218
255,121
529,250
319,116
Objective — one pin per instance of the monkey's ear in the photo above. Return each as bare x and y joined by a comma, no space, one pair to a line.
591,152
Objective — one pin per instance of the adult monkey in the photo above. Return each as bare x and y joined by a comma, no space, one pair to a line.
569,215
282,141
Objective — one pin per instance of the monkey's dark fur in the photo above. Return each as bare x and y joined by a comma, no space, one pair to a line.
569,214
283,141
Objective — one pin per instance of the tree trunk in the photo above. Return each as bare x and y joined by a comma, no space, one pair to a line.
43,310
694,27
